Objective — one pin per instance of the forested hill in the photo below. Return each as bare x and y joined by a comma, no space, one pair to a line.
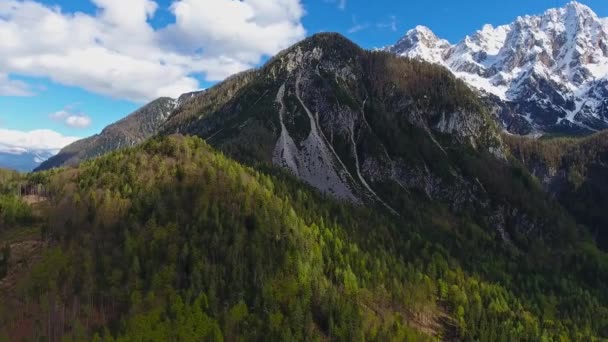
174,241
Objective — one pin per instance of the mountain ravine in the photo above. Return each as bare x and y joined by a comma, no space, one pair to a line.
574,171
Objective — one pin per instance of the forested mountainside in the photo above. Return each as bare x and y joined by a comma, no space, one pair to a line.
575,171
174,241
130,131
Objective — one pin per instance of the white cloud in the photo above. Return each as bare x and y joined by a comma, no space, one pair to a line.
116,52
73,120
357,27
78,121
59,115
9,87
16,142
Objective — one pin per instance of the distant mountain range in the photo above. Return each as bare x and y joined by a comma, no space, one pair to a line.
23,160
546,73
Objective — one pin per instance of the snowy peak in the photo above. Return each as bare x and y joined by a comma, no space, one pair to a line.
423,35
550,65
579,9
421,42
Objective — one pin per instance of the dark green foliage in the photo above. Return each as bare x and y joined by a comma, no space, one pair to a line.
431,88
574,170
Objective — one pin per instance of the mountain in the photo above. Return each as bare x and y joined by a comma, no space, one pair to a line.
341,118
23,160
130,131
545,73
573,170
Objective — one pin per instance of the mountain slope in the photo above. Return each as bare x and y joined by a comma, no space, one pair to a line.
130,131
542,73
575,172
318,108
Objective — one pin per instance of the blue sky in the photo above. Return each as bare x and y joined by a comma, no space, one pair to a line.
56,93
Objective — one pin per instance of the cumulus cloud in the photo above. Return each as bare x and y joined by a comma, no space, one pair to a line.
73,120
116,52
16,142
78,121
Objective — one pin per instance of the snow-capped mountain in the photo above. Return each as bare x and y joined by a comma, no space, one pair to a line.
542,73
23,160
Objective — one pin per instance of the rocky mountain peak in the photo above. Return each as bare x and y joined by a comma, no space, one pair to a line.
422,34
579,9
421,42
549,69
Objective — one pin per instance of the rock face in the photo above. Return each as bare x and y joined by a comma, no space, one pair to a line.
541,73
130,131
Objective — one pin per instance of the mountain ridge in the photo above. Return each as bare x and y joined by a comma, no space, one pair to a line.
129,131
